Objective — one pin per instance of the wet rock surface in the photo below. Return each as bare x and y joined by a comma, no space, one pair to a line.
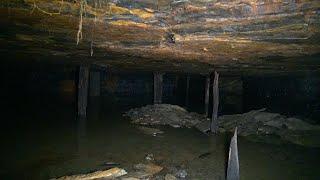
164,114
144,171
149,157
182,173
262,126
170,177
150,131
140,171
261,122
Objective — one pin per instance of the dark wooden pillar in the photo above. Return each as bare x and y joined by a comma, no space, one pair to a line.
94,83
214,122
157,87
207,95
83,90
187,91
176,92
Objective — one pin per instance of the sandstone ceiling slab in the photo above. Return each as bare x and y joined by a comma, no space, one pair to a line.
215,32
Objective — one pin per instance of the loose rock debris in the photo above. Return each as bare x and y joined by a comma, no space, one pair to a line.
164,114
257,123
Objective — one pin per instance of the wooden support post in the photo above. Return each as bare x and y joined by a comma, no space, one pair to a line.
214,122
207,95
176,92
157,87
94,83
83,90
187,91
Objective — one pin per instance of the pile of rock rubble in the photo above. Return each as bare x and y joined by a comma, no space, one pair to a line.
164,114
256,123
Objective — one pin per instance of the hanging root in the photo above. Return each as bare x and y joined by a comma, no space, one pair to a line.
93,30
35,6
82,3
82,10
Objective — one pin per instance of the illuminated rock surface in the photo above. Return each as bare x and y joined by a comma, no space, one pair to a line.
107,174
233,33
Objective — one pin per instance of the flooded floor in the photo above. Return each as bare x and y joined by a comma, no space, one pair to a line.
42,138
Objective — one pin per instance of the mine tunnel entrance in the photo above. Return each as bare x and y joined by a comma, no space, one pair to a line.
41,100
160,90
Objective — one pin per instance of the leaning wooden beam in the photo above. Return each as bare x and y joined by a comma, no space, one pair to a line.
214,122
233,161
157,87
207,95
83,90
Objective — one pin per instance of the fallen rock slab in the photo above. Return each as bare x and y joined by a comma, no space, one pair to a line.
106,174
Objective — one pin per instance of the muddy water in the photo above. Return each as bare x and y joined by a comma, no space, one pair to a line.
41,139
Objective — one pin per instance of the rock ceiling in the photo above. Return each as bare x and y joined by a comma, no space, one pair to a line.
218,32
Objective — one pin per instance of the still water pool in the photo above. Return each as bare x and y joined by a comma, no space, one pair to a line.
42,138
